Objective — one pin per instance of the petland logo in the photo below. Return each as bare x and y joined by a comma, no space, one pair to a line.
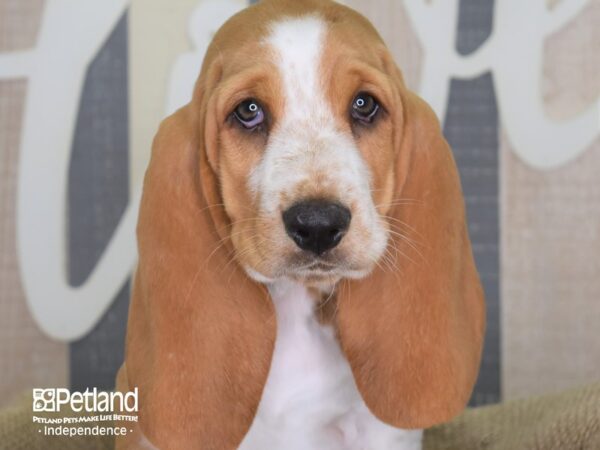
51,400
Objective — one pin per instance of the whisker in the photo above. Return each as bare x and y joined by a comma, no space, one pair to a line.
250,219
396,225
222,205
394,219
393,258
408,241
221,243
401,201
388,255
327,300
211,206
239,254
194,279
400,251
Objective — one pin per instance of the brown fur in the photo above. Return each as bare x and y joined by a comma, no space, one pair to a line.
201,333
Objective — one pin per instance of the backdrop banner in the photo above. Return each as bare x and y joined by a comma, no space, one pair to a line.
84,85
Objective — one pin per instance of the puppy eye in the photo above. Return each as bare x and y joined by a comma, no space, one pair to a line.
364,107
249,113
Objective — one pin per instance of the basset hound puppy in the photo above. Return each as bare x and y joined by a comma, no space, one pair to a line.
305,276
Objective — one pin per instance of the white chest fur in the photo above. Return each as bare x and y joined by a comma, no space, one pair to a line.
310,399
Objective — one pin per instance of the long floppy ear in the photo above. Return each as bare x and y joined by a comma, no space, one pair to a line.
201,333
413,336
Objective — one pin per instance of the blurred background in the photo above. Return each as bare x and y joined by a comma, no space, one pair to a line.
84,84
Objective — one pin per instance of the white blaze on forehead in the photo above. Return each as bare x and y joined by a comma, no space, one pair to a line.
298,45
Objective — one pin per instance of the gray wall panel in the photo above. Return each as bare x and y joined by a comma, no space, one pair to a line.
471,127
98,195
475,19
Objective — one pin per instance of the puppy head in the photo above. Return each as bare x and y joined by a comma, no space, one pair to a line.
304,147
296,158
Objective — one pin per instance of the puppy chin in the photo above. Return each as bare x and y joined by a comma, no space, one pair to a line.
328,278
309,279
320,281
318,273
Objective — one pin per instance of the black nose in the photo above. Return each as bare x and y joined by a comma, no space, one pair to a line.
316,225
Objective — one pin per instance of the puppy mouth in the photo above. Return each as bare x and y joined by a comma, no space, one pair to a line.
317,273
320,269
318,266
